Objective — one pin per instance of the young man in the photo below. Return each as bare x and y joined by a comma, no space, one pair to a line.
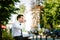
16,28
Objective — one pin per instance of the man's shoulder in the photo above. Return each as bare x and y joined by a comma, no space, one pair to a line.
15,22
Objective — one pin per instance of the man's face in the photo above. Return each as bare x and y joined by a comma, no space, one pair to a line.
21,19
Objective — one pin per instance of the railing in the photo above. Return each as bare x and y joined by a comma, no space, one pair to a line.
41,38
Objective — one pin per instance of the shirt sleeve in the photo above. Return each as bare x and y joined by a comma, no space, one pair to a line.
17,26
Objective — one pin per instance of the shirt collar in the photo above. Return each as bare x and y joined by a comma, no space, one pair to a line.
18,22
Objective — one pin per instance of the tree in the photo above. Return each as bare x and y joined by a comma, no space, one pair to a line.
6,9
22,8
51,12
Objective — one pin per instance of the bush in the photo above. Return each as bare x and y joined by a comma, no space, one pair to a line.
6,36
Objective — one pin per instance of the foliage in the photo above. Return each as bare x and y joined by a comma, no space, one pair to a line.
22,8
6,36
6,9
41,20
51,12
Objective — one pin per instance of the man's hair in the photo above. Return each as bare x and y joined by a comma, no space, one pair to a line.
19,16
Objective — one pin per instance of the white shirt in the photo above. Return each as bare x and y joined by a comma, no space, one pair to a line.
16,29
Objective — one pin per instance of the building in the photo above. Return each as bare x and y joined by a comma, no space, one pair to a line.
36,11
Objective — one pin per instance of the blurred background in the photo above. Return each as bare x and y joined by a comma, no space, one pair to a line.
42,16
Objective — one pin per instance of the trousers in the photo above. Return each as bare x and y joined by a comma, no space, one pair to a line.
18,38
21,38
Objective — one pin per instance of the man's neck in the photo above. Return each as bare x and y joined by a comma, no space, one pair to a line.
18,21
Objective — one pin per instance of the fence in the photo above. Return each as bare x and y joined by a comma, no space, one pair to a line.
41,38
